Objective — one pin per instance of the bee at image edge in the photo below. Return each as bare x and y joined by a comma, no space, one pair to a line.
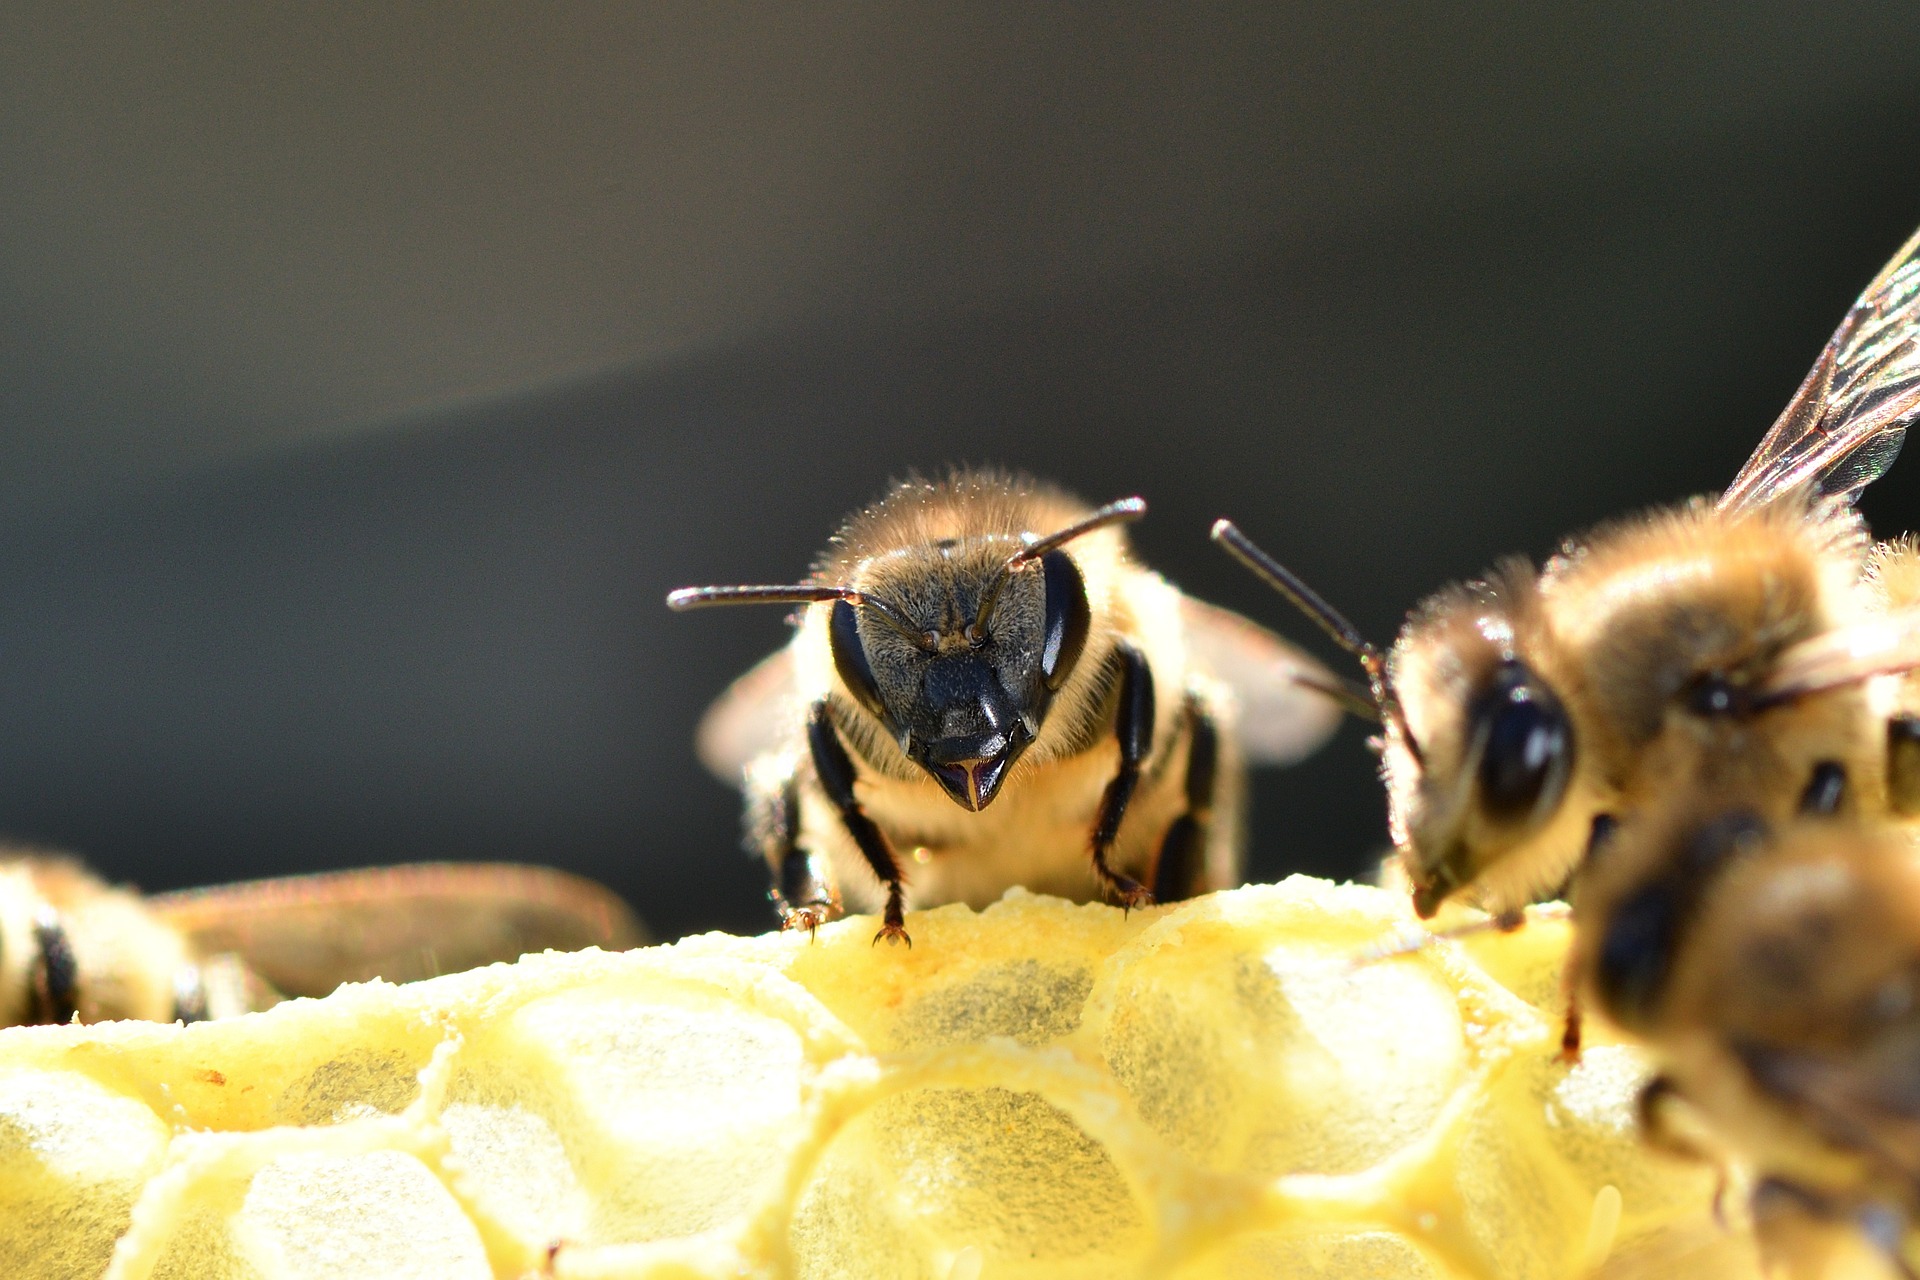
73,947
986,690
1729,646
1772,973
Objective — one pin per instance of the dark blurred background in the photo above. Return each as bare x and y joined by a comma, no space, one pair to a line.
367,377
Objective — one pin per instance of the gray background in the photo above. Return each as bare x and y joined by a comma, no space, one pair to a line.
367,377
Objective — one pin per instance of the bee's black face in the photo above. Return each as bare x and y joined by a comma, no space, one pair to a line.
968,728
968,699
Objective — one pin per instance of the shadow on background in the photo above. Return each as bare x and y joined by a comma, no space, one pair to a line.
447,640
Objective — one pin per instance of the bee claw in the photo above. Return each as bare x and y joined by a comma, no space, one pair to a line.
1130,894
809,918
893,933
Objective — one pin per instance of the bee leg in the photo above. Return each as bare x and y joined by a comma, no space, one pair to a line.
834,767
803,899
1176,873
1903,764
1826,789
1649,1109
1133,725
190,995
1570,1021
56,974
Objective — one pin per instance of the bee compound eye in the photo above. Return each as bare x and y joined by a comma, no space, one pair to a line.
1528,745
1068,618
850,658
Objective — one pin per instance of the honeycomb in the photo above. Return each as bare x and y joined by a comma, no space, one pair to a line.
1215,1089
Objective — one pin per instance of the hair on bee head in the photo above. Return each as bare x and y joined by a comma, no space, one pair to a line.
1385,705
1120,511
1031,549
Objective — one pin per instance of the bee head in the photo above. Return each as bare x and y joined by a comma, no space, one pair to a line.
1496,747
955,645
963,689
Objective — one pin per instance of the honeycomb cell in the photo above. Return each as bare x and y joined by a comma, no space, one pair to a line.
319,1217
518,1170
1239,1086
1002,1172
678,1115
1246,1054
73,1156
1314,1255
361,1082
202,1247
1030,1001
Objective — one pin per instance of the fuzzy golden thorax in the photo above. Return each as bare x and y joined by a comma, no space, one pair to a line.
1678,620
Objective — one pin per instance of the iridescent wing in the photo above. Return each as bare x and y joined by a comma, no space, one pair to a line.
1286,709
307,934
1844,426
758,713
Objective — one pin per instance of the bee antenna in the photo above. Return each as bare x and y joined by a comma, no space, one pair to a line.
800,593
1119,512
1385,706
1298,593
1353,697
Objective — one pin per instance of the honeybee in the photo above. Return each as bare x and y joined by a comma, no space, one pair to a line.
1893,576
72,946
1722,646
985,690
1774,976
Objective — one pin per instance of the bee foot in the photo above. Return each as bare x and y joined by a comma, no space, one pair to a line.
809,918
893,932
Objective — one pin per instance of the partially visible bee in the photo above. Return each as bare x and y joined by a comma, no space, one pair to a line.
1720,646
1774,977
72,946
986,690
1893,577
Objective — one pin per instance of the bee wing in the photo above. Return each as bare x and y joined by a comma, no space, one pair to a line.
307,934
1286,709
755,715
1844,426
1886,645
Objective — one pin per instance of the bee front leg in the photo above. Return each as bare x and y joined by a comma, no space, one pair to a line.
834,767
1183,852
802,896
1133,726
